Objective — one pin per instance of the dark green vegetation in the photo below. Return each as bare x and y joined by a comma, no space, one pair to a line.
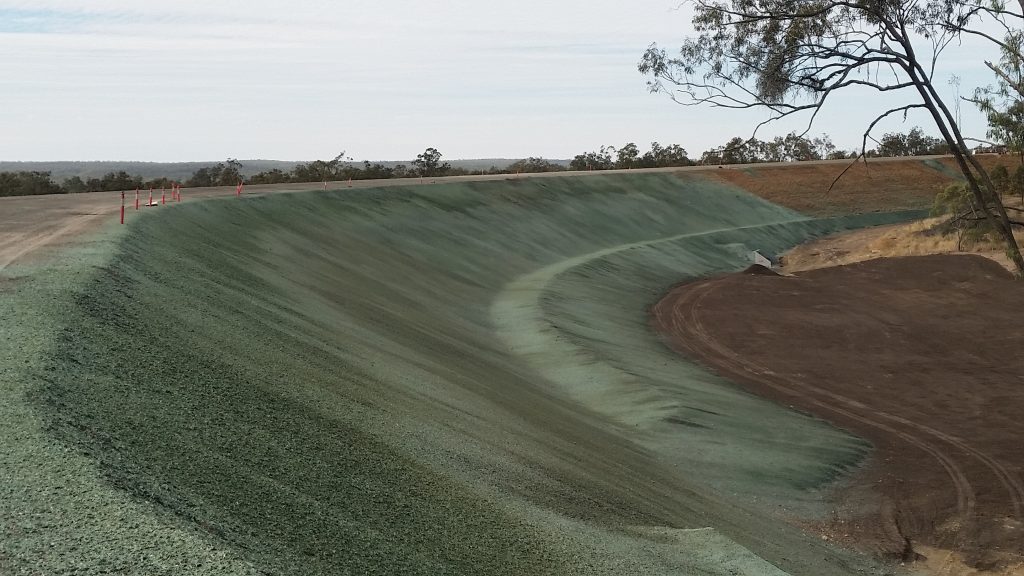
33,183
964,218
796,148
28,178
181,171
442,379
627,157
27,184
429,164
913,143
39,177
227,173
790,148
177,171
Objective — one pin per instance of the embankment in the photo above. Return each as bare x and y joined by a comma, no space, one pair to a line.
456,378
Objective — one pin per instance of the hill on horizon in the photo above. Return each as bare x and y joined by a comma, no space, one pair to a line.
60,170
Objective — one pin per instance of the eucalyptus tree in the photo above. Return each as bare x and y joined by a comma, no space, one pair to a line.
665,156
627,157
1003,103
789,57
320,170
429,163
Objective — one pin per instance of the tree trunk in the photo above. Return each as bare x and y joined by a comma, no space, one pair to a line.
1006,229
985,193
1000,221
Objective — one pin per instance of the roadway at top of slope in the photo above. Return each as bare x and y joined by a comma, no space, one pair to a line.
29,224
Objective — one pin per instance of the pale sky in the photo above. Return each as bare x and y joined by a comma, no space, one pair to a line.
206,80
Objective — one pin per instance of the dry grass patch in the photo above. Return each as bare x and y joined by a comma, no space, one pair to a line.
914,239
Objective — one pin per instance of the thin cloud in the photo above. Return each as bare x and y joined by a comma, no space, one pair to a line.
208,79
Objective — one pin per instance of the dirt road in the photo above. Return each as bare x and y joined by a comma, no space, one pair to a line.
921,356
29,223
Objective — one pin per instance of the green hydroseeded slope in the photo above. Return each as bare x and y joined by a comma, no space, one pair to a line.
449,379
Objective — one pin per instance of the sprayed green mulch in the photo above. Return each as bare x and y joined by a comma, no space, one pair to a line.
319,383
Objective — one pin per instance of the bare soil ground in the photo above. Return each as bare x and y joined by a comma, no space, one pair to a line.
880,185
29,224
921,355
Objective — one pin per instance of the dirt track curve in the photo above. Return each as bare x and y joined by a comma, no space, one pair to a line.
920,355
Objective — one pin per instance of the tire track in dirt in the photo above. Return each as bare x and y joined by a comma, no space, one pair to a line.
1014,487
681,315
18,245
687,326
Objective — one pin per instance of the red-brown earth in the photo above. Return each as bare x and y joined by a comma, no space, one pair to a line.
920,355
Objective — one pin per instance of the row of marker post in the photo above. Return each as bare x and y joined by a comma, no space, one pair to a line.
175,196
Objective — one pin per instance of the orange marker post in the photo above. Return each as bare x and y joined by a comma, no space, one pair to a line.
122,207
163,196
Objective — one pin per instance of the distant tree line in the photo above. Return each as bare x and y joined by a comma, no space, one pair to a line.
430,164
32,183
427,164
227,173
27,184
913,143
796,148
629,157
790,148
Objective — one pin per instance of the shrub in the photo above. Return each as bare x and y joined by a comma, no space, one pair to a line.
1001,179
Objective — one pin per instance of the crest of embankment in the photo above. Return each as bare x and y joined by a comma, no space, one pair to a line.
455,378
